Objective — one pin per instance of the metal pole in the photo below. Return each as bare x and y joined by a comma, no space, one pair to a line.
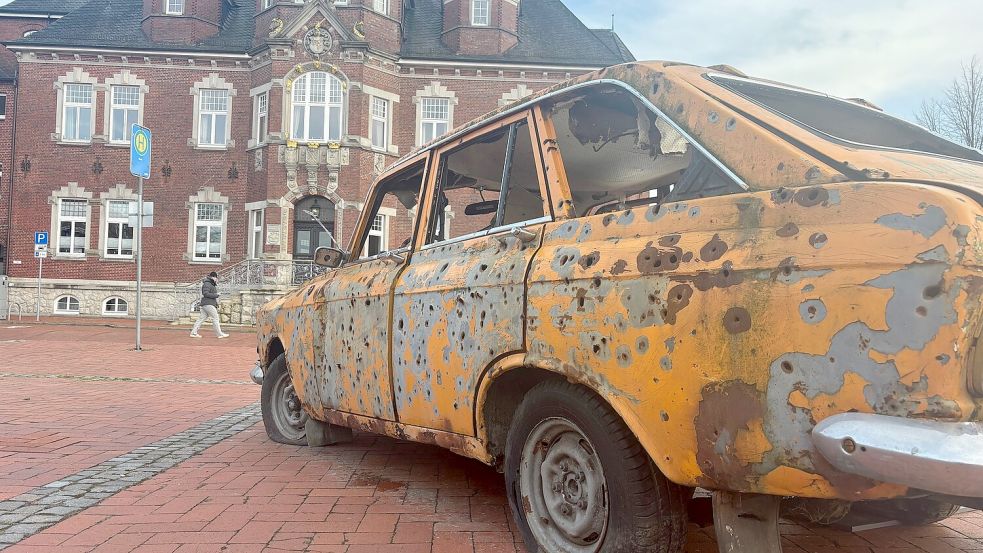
37,317
139,233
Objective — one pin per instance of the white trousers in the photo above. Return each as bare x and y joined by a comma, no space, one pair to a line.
208,311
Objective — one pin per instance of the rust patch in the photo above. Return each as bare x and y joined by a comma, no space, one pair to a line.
589,260
619,267
654,260
737,320
818,240
727,276
727,409
678,299
781,195
813,196
790,229
714,249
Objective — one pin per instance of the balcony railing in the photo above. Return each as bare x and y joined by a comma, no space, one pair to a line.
256,275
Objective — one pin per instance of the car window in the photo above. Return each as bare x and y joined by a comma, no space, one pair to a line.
617,153
472,179
845,120
392,215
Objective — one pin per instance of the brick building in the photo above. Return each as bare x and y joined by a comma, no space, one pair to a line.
271,118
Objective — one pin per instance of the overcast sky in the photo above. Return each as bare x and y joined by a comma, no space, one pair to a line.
890,52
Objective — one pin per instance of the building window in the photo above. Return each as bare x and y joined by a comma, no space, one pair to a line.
174,7
72,223
435,119
78,113
267,4
379,115
124,113
377,242
381,6
115,306
262,121
480,13
67,305
208,232
3,106
317,100
213,117
119,233
256,234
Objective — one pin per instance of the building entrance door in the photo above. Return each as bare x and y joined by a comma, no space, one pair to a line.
314,220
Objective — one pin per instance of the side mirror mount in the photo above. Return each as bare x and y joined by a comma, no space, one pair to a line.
329,257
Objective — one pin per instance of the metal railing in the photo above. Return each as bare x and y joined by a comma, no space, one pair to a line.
255,274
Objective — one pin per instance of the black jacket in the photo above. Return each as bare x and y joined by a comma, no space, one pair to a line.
209,292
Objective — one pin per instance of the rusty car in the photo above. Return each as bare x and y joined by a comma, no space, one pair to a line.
655,278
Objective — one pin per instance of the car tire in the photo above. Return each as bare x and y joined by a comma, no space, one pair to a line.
283,416
578,480
909,512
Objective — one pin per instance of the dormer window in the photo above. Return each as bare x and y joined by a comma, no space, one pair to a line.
174,7
381,6
480,13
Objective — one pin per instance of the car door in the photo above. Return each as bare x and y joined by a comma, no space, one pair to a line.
354,373
459,305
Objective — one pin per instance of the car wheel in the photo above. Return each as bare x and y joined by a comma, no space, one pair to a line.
283,416
910,512
578,481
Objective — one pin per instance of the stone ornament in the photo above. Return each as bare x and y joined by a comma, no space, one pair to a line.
317,41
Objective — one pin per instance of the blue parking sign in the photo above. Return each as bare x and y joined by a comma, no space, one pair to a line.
41,238
140,151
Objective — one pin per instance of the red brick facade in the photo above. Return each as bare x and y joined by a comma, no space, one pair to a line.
363,54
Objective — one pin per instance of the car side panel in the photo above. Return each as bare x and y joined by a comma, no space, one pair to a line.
724,329
457,308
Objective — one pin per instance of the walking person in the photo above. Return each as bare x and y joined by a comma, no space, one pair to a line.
209,306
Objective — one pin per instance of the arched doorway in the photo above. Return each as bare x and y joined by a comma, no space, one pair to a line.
314,220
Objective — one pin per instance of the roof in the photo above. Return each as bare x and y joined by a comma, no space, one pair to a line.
117,24
45,7
549,33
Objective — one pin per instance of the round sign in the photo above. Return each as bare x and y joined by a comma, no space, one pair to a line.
141,143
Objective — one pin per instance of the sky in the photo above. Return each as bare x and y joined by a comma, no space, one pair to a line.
894,53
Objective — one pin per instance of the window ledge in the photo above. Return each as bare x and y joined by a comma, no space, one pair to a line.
213,148
204,262
67,257
117,144
109,259
72,143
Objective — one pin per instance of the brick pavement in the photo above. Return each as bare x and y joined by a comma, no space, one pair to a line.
248,494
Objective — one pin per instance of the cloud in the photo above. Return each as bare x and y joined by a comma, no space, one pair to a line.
891,52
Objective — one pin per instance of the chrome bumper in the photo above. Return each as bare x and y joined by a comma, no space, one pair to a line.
256,375
940,457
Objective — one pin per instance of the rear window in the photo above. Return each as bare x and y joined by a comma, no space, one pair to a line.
844,120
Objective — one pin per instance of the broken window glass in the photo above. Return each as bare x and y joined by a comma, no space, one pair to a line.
617,154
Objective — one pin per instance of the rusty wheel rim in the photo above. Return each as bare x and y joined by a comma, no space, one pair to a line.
563,489
287,412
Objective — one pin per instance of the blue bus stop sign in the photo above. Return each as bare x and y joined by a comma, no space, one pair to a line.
140,151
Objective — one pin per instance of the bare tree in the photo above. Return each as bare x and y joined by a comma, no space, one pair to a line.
958,114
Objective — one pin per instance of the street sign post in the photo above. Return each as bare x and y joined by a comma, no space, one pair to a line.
40,252
140,148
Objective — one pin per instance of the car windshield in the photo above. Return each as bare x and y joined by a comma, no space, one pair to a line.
845,120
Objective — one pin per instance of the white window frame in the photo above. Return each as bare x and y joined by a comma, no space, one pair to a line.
381,6
212,82
174,7
123,222
261,118
115,312
433,122
3,107
206,97
333,105
382,232
480,13
257,217
117,109
380,111
209,225
74,220
68,305
68,104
